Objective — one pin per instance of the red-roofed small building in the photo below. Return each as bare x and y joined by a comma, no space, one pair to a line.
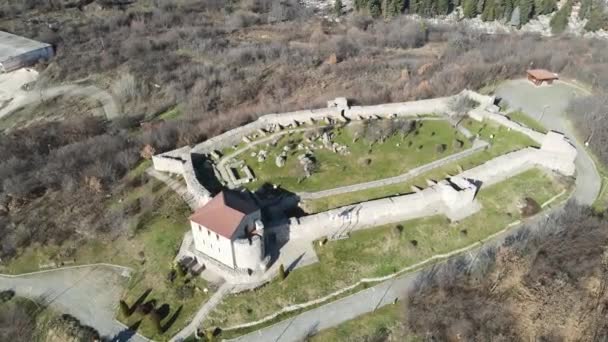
229,229
538,76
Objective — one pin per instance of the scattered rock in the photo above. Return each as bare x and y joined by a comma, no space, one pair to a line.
280,160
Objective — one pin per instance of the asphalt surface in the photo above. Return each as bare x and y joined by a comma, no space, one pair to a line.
89,293
548,104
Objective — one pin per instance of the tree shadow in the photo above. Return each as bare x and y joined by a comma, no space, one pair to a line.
125,335
139,301
163,311
172,320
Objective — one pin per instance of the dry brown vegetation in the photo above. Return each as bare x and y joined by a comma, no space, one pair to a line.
547,285
222,64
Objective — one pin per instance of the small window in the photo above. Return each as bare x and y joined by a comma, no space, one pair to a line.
218,249
208,233
217,236
200,229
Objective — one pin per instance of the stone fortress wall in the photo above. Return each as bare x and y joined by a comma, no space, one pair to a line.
453,197
179,161
556,151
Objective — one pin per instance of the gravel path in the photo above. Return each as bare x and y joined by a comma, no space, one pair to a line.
89,293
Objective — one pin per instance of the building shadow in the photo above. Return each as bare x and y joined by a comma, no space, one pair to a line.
203,170
172,320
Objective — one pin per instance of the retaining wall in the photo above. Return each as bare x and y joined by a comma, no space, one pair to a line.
442,198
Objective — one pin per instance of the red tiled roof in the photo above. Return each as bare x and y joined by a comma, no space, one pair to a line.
224,212
542,74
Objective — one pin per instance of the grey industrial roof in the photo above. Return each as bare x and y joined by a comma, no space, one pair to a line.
12,45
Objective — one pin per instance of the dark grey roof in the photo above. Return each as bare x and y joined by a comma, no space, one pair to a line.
12,45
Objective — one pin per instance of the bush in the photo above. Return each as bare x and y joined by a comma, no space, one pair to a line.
530,207
6,295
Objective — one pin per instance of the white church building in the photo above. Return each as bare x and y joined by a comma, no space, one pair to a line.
229,230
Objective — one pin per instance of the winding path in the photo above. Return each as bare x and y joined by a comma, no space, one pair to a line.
89,293
548,105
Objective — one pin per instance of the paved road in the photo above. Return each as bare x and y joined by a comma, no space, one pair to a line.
548,104
342,310
89,293
23,98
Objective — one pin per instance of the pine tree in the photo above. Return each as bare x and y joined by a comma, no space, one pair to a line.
392,8
412,6
375,9
585,10
338,8
526,8
443,7
597,20
488,11
469,8
546,7
508,11
499,9
559,21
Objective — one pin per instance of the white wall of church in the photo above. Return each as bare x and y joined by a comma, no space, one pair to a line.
213,244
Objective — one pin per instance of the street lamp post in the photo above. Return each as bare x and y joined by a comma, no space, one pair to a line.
545,107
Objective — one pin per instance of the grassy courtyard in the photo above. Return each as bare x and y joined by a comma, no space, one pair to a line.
503,141
527,120
367,159
386,249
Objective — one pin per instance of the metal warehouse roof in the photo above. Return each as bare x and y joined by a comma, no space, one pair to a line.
12,45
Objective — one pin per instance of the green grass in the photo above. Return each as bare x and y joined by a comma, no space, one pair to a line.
374,326
171,114
149,247
527,120
383,250
504,141
397,155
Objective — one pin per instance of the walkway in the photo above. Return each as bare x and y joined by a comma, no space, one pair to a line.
342,310
202,313
89,293
477,146
174,184
548,104
23,98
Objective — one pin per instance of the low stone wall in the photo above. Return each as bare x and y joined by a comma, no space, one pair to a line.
451,198
172,161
